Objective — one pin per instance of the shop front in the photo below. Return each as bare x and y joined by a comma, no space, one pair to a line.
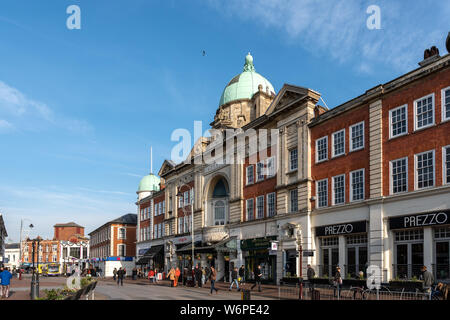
344,245
258,252
421,239
152,258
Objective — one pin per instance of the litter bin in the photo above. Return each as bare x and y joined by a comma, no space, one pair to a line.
245,294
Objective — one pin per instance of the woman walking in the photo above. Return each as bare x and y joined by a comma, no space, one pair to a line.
171,276
177,275
212,278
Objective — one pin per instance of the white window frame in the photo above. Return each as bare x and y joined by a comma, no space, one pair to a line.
260,165
433,108
333,151
333,198
270,172
263,207
317,149
391,179
247,176
274,204
124,250
391,135
246,209
291,169
290,200
444,167
443,118
186,199
363,136
351,185
119,232
317,193
416,178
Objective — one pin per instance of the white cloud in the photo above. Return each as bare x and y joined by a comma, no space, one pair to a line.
337,28
5,126
27,113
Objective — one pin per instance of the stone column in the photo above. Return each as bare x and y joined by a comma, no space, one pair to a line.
220,265
428,256
342,257
375,236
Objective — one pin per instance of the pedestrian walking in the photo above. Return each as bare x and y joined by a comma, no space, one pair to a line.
258,275
151,276
203,276
120,275
185,275
337,282
177,275
114,274
171,276
198,276
241,275
428,280
310,274
212,278
5,279
234,279
134,273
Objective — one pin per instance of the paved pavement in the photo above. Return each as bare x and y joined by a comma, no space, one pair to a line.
143,290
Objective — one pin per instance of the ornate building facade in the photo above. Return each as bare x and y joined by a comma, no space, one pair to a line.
316,189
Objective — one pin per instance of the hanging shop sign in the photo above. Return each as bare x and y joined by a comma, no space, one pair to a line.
342,229
420,220
274,245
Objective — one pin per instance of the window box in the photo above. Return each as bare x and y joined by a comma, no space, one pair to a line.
407,285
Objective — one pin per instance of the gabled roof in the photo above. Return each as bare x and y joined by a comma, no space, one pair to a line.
129,218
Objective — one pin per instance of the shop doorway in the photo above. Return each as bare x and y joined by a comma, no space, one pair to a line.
356,255
290,265
408,254
329,256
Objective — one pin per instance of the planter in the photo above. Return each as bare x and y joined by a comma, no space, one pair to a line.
289,280
354,283
409,286
322,281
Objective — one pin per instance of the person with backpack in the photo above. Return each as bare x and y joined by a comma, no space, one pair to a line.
234,279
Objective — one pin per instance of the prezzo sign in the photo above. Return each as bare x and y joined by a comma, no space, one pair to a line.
420,220
344,228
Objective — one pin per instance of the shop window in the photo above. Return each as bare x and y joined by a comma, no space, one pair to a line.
357,136
357,185
338,143
250,178
408,235
445,104
339,189
329,256
399,175
322,149
322,193
440,233
425,170
329,241
398,119
424,112
260,207
271,204
446,160
293,195
293,159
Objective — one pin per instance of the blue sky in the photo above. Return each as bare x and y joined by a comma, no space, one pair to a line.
79,109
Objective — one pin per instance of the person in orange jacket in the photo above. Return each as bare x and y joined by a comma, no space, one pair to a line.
177,275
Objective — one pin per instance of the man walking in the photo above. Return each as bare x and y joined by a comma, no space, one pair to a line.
5,278
428,280
120,275
258,276
198,276
212,278
234,276
241,275
310,273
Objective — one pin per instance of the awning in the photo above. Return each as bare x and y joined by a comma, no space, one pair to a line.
153,251
227,245
143,260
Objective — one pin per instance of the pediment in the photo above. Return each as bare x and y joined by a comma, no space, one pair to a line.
288,95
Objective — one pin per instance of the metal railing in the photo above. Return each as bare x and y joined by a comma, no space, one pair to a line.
407,271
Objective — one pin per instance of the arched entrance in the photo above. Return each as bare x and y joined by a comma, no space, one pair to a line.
218,202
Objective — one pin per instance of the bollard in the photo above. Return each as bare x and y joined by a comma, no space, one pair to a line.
245,294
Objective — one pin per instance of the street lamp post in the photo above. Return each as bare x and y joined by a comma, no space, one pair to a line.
179,194
35,277
21,232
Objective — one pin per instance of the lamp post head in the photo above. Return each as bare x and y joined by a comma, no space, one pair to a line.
31,225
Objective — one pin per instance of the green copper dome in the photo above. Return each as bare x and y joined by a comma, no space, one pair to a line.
245,85
149,183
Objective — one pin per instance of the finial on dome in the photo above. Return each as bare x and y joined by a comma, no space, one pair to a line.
249,63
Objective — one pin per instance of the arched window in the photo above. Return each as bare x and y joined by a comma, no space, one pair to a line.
219,213
220,190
